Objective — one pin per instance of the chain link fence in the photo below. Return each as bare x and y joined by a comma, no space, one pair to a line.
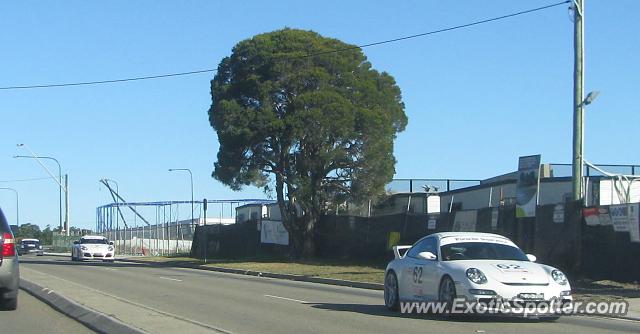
162,228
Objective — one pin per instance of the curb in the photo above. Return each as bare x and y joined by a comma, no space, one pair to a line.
92,319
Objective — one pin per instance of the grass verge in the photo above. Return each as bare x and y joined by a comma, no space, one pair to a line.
370,273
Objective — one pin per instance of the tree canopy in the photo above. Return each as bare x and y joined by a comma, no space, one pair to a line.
307,117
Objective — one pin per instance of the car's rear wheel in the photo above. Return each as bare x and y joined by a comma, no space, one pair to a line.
391,294
447,293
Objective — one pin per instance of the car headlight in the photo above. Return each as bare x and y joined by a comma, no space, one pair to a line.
83,248
476,276
559,277
110,249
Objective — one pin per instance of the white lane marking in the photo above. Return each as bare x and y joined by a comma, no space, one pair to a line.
289,299
112,269
170,279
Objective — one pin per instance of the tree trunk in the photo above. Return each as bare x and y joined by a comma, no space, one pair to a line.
309,234
309,246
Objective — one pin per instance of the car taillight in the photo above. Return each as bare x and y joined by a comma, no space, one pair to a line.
8,245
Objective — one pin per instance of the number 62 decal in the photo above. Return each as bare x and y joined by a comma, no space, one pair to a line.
417,275
508,266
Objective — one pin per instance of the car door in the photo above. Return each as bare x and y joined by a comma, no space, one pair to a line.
419,272
412,273
431,270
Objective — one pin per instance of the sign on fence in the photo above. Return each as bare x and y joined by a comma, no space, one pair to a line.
625,218
273,232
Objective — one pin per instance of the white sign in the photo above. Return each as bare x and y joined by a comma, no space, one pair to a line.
619,217
558,214
431,223
465,221
273,232
433,204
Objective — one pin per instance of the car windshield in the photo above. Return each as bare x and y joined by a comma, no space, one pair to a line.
30,242
94,241
481,251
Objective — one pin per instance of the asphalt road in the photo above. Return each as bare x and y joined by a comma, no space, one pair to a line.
34,316
209,301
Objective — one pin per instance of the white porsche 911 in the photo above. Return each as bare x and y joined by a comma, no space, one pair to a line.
92,247
474,268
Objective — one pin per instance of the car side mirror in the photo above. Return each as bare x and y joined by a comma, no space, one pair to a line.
427,256
76,242
531,257
111,243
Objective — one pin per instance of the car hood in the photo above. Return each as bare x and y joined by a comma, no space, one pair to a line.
506,271
95,247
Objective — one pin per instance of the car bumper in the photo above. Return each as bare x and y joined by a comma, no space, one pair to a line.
30,251
523,300
9,278
108,256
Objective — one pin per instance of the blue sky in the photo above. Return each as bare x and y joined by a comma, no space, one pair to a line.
476,98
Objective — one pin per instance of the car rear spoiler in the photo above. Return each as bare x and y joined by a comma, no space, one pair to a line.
398,249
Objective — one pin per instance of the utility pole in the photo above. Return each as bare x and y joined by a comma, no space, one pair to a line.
578,98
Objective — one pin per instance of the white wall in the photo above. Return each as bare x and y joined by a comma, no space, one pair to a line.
614,191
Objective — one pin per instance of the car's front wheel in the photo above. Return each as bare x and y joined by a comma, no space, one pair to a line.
391,294
447,293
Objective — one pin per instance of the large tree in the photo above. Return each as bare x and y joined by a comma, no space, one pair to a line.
307,117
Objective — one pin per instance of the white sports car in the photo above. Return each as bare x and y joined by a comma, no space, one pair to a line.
477,272
92,247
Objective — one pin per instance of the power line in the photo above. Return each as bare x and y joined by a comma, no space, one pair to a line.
85,83
26,180
394,40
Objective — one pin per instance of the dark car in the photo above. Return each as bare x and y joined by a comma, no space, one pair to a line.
30,246
9,269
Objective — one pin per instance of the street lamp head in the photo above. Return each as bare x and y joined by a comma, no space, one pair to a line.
590,97
19,145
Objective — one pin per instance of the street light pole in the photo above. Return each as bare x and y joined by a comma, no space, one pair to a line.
59,178
17,205
59,182
578,98
191,178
